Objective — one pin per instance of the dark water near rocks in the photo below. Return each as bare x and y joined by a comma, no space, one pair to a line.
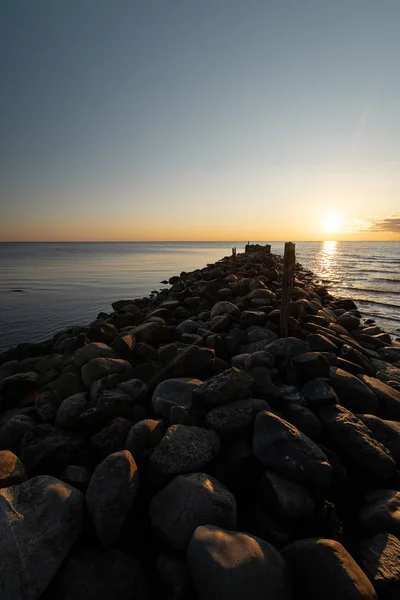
45,287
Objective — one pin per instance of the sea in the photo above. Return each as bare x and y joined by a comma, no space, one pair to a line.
46,287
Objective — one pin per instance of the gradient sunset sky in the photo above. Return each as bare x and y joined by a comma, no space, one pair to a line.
199,120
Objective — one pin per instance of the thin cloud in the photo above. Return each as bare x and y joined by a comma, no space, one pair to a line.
391,224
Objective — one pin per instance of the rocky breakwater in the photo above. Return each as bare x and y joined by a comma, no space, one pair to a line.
178,448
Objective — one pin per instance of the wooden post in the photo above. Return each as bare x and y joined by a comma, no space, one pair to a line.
289,261
234,259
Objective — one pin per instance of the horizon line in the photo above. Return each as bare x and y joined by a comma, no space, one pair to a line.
180,241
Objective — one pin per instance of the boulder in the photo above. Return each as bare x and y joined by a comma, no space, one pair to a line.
47,405
110,495
388,397
66,385
152,333
235,418
386,432
111,438
287,499
12,471
356,443
13,429
322,568
187,502
77,476
125,345
90,351
184,449
283,448
34,543
17,387
319,392
102,332
98,368
173,392
310,365
184,360
224,308
287,347
70,410
353,393
232,384
231,565
143,437
92,573
320,343
46,450
348,321
136,389
381,512
379,557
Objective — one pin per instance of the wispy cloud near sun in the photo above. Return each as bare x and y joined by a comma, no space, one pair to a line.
390,224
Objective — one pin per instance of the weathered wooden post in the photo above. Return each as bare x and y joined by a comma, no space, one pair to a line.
289,261
234,259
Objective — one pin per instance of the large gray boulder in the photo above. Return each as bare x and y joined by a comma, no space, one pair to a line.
230,565
173,392
283,448
388,397
110,495
40,520
184,449
353,393
235,418
98,368
322,568
187,502
232,384
356,442
90,351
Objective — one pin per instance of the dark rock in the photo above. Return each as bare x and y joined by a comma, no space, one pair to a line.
125,345
13,429
70,410
252,317
305,420
353,393
98,368
91,351
258,359
389,398
231,565
143,437
102,332
173,392
47,405
12,471
282,447
287,347
310,365
386,432
379,557
184,450
322,568
187,502
120,304
318,392
354,356
66,385
230,385
111,438
350,367
136,389
46,450
17,387
110,495
320,343
77,476
381,512
348,321
225,308
287,499
186,360
356,442
100,574
235,418
41,519
152,333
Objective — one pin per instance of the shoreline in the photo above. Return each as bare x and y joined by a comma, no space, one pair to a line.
186,409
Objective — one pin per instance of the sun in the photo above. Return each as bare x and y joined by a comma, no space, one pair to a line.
331,223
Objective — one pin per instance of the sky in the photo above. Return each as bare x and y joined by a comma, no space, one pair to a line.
199,120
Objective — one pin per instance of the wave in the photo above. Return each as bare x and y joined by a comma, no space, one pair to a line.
368,301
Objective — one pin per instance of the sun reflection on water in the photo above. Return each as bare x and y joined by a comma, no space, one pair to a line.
325,264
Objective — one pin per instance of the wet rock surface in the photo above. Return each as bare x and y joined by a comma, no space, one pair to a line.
134,448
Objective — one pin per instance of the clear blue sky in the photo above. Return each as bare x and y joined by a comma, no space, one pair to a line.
206,119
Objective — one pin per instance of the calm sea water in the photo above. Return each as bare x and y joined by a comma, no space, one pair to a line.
45,287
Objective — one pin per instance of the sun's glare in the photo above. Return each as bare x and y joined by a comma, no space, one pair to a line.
331,223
